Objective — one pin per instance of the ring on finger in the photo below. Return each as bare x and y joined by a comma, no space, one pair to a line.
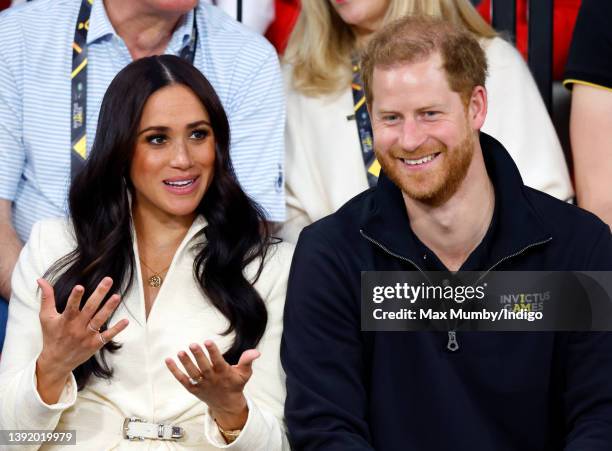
90,327
102,340
195,381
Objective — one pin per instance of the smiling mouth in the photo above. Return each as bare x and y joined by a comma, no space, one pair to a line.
180,183
420,161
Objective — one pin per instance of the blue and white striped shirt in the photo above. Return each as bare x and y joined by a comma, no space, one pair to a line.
35,67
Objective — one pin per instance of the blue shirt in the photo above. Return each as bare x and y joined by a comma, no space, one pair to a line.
35,67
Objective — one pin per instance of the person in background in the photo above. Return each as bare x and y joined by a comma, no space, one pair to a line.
329,150
449,198
589,75
172,254
59,56
256,14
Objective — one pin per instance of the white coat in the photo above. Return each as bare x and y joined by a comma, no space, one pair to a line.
141,385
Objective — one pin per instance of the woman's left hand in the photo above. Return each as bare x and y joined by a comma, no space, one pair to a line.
216,382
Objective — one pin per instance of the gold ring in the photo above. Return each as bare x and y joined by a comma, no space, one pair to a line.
102,340
90,327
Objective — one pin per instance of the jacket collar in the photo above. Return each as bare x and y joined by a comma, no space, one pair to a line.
134,300
517,225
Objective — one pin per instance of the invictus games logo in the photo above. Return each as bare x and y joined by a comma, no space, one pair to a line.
524,302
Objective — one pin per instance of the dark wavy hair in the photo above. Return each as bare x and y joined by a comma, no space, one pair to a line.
236,233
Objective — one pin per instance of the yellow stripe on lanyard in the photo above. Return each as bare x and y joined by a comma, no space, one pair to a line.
78,77
79,68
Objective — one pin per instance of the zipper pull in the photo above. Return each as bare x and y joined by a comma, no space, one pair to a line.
453,344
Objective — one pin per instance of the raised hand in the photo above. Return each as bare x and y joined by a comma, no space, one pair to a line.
216,382
70,338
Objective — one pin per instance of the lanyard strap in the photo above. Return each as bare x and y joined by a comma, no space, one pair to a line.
364,127
78,76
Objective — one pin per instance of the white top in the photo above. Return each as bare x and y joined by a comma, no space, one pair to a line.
142,386
324,165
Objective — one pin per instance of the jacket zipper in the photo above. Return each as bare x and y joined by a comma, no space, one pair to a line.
393,254
513,255
453,343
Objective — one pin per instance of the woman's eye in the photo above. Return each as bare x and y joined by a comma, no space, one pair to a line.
199,134
156,139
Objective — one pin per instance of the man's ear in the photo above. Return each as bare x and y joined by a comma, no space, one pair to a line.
477,107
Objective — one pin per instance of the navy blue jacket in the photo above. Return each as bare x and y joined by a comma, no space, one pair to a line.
402,391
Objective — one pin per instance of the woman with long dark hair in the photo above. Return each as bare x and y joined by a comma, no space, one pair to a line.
163,251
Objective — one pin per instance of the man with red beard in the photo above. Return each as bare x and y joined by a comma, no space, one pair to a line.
448,198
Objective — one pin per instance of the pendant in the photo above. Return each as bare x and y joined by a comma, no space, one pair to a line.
155,281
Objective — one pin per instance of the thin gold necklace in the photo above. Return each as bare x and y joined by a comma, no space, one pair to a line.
156,279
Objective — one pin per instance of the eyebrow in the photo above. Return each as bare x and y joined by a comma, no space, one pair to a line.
434,106
162,128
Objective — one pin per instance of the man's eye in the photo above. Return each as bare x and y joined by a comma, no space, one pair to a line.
199,134
431,114
156,139
390,117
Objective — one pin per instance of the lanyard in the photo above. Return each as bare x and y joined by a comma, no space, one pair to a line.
78,76
364,127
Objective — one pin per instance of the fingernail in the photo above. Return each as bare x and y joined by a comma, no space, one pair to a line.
193,346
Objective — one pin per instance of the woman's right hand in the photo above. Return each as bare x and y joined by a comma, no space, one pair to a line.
70,338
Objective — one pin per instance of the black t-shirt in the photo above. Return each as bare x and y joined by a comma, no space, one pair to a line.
590,57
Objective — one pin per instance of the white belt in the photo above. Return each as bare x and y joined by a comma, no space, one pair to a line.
139,429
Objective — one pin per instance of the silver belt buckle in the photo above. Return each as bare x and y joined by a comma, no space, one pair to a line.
126,426
153,431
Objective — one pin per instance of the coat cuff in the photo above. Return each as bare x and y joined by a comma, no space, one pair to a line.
255,434
40,414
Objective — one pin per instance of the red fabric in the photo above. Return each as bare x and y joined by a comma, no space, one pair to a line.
286,14
4,4
566,13
564,19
